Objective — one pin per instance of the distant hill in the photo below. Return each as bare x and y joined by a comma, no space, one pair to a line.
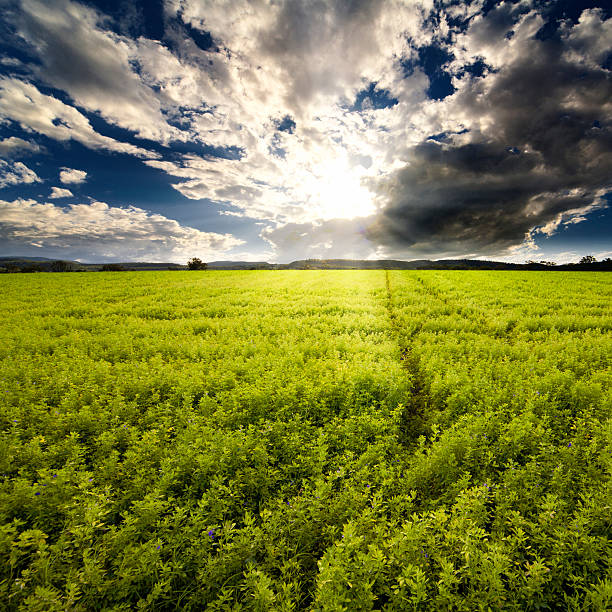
144,265
427,264
20,258
43,264
395,264
38,264
240,265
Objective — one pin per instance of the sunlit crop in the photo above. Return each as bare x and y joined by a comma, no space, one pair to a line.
299,440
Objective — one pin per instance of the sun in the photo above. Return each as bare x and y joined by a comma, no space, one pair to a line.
337,192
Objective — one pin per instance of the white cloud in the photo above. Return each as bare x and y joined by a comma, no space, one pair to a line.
37,112
14,146
276,60
93,65
331,239
10,61
498,37
589,40
572,216
72,176
16,173
293,56
58,192
270,60
104,231
282,60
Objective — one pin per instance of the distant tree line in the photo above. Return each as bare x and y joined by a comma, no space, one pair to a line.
587,262
113,267
48,266
59,265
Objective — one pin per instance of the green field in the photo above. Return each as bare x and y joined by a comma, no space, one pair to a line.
316,440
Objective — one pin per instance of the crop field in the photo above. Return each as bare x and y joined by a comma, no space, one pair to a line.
306,440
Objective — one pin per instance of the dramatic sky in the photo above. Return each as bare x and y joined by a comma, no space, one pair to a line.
278,130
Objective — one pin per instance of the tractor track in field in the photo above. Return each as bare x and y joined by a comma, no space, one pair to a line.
414,417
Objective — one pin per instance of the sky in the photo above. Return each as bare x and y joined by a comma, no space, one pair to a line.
160,130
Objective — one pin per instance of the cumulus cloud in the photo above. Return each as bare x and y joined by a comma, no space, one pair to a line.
17,147
266,62
58,192
92,65
305,65
589,40
34,111
313,54
16,173
104,231
316,119
331,239
524,145
531,148
72,176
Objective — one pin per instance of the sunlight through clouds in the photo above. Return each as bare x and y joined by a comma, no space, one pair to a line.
437,125
336,192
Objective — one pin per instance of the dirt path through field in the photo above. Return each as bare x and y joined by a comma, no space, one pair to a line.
413,421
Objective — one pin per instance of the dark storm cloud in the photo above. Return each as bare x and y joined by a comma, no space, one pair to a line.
539,145
366,128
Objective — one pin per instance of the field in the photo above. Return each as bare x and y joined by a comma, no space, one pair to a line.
316,440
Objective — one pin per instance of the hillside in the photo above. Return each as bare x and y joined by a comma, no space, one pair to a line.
42,264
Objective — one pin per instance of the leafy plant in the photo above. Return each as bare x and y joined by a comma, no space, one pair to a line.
296,440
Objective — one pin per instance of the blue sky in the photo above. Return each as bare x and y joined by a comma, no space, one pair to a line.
163,130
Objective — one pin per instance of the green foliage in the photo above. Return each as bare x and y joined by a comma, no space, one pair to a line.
306,440
61,266
112,267
195,263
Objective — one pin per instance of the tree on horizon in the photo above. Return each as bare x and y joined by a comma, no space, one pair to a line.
195,263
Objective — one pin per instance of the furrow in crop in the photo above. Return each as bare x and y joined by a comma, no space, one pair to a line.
413,418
